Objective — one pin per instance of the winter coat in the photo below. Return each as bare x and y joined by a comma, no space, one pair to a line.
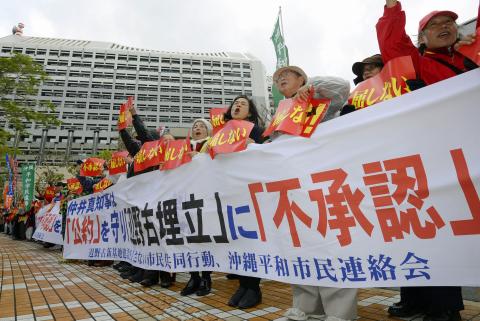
432,66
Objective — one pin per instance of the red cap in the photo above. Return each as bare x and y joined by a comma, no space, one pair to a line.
423,23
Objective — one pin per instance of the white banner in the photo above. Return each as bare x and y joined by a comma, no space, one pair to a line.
48,223
385,196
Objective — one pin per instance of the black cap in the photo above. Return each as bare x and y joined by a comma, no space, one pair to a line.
357,68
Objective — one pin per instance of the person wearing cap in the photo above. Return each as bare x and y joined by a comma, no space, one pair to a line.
312,302
292,81
367,68
436,58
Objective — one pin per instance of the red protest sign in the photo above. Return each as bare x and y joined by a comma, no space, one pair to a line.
102,185
472,51
49,193
317,110
92,167
389,83
216,118
289,117
124,117
231,138
117,164
129,102
74,186
149,155
176,153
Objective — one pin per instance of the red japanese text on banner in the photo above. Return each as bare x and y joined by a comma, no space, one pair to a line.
74,186
389,83
231,138
291,116
149,155
176,153
92,167
216,118
49,193
316,112
117,164
124,117
102,185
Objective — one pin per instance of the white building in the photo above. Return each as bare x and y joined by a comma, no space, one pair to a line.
90,79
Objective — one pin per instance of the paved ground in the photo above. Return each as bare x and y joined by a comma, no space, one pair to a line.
36,285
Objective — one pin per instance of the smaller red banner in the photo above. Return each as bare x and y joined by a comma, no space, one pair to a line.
216,118
129,103
231,138
49,193
388,84
177,153
117,164
472,51
74,186
102,185
150,155
316,112
92,167
299,117
124,117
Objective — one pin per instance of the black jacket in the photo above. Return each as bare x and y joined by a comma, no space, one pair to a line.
143,133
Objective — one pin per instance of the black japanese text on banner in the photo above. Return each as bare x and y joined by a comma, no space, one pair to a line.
386,196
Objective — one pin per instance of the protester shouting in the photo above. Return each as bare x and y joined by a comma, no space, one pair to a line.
436,58
248,293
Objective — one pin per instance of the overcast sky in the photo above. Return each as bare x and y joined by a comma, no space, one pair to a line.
323,37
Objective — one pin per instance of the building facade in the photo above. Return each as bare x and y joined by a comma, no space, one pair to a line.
89,80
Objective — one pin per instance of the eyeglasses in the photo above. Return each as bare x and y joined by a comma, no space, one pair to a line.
287,73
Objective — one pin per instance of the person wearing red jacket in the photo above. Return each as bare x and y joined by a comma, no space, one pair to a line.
436,58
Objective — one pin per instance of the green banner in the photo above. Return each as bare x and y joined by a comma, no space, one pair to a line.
279,43
281,52
28,184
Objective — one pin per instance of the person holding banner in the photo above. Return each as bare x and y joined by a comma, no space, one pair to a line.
242,107
201,131
128,271
314,301
436,58
367,68
292,83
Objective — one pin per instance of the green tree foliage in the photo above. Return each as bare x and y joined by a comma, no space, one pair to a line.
49,177
20,78
105,154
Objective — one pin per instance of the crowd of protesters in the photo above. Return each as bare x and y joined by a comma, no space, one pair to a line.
435,58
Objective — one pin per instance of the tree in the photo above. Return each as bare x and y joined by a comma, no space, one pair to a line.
105,154
20,78
47,178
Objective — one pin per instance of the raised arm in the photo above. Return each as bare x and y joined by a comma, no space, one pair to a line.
392,38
